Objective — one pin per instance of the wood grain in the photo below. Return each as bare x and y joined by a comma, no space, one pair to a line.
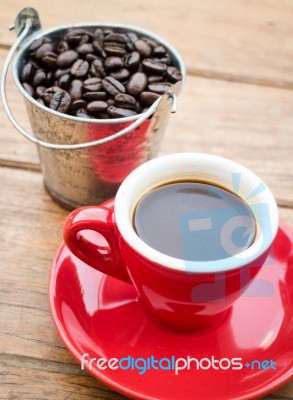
33,362
242,40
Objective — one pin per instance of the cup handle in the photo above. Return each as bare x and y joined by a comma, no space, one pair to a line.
101,220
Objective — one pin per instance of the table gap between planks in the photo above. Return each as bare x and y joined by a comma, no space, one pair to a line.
237,102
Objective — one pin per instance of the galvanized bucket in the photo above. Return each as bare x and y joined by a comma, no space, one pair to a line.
83,160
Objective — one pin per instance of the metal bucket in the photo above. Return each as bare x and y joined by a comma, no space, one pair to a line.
83,160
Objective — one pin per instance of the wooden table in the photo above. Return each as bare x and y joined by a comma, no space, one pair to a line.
237,102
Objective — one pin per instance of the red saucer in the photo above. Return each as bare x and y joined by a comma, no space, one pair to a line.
101,316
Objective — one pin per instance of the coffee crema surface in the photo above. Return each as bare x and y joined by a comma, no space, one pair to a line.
194,221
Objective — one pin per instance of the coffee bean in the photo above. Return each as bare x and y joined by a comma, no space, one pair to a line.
143,48
64,81
99,49
49,93
108,31
67,58
41,101
42,50
97,69
76,89
165,60
39,78
148,98
136,83
150,42
159,51
155,78
37,44
174,74
77,104
61,47
132,38
80,68
96,106
49,60
85,48
91,57
112,86
93,84
125,101
121,74
154,67
116,112
111,102
132,60
27,72
159,87
99,34
91,96
116,38
114,50
60,101
82,113
40,90
59,72
76,37
29,89
114,62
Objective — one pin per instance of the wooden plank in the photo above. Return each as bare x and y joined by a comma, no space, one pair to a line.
33,362
242,40
250,124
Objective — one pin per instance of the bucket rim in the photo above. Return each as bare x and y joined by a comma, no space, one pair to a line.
142,31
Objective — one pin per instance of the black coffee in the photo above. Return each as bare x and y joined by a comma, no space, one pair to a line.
194,221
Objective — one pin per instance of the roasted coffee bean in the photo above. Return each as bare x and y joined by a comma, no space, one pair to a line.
77,104
40,90
132,60
76,37
60,101
154,67
91,96
143,48
29,89
174,74
114,50
61,47
159,51
136,83
80,68
59,72
42,50
125,101
37,44
116,38
67,58
155,78
91,57
76,89
122,69
96,106
116,112
64,81
148,98
97,69
85,48
99,49
112,86
120,74
49,93
39,78
99,34
93,84
114,62
49,60
27,72
159,87
41,101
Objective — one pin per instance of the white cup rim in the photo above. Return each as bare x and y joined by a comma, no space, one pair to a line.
194,166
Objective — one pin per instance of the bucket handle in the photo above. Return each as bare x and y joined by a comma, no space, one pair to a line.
29,24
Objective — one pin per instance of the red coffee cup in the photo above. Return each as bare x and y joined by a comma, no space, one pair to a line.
180,294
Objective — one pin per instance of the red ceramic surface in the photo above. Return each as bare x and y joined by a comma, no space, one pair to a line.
102,316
